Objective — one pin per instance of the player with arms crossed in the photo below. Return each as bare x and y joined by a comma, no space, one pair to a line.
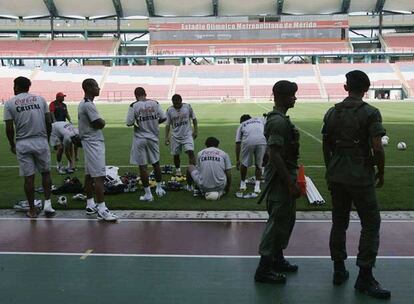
90,132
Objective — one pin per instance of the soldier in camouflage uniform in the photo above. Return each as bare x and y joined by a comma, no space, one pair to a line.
352,133
281,189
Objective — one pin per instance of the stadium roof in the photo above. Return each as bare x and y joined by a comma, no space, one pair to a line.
165,8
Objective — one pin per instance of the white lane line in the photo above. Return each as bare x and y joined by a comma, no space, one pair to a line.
86,254
203,220
300,129
408,257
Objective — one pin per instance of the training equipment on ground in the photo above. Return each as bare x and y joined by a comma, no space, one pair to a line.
79,197
172,186
384,140
301,180
252,180
212,196
242,194
167,169
23,205
314,197
62,200
70,185
402,146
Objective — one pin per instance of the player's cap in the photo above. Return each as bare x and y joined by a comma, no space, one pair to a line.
60,94
285,87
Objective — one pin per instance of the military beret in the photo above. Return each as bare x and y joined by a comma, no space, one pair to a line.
285,87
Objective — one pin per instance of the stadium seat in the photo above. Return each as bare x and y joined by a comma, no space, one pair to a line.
381,75
210,81
122,81
263,77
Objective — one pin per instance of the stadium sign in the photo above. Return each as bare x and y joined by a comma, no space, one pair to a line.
246,26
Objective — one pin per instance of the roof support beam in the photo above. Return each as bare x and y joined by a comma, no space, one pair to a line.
118,8
345,6
379,6
150,8
215,7
279,7
51,8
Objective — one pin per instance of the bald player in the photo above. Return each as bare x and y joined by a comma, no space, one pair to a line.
251,142
61,141
145,115
90,132
28,127
179,118
213,172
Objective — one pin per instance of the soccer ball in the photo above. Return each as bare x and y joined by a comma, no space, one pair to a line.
386,138
62,200
384,141
212,196
402,146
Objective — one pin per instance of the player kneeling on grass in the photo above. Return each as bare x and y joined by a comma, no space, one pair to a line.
179,118
145,115
213,172
61,140
250,140
90,132
29,114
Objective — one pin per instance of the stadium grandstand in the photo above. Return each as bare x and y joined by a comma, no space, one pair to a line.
209,50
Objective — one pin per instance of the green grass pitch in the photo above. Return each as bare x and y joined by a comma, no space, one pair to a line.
221,120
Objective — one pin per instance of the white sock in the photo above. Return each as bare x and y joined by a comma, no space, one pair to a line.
159,186
147,191
48,204
101,206
257,184
242,184
178,171
90,203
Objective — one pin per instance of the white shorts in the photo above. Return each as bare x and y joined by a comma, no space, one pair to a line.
195,175
94,154
144,151
178,145
55,140
33,154
250,152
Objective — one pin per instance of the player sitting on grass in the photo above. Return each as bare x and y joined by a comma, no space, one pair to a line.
213,172
251,141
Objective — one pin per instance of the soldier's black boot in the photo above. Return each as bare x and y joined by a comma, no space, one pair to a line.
280,264
367,284
340,275
266,274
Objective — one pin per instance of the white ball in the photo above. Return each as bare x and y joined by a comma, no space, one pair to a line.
384,141
62,200
212,196
385,137
402,146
